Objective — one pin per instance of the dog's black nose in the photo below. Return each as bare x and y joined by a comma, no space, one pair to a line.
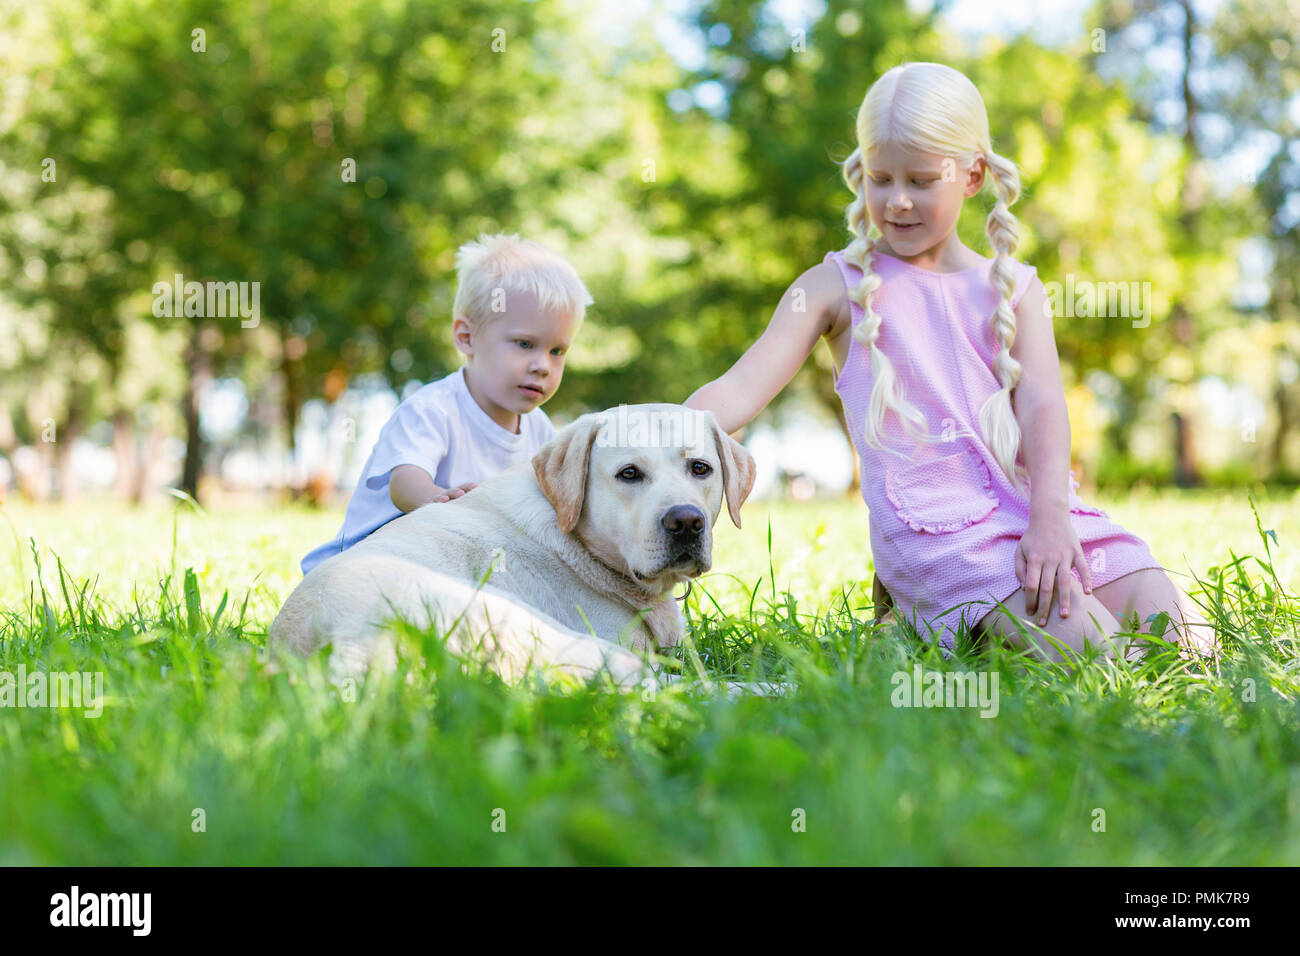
683,521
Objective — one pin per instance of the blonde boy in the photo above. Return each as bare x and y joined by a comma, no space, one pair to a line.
518,306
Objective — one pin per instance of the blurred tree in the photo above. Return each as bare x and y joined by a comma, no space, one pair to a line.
63,326
219,144
1182,100
333,155
63,277
1257,47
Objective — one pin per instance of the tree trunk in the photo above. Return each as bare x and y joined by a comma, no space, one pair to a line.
124,452
8,436
292,403
196,375
1186,470
1280,470
68,486
45,483
147,453
340,432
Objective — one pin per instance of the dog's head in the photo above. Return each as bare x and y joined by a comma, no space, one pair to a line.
642,485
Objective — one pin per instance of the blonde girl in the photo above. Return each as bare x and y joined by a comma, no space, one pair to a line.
947,369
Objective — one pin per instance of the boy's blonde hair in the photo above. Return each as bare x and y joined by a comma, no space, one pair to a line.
932,108
490,268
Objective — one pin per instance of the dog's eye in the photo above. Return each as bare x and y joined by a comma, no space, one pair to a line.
630,473
701,469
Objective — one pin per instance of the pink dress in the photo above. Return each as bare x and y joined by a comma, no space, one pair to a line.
944,519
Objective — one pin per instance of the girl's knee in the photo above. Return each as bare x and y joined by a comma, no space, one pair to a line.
1196,634
1088,623
1152,593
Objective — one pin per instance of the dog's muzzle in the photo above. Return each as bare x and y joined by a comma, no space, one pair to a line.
684,527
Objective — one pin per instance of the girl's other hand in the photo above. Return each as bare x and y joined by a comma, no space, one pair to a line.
1044,557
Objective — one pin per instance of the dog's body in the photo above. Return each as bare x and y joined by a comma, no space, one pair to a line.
568,561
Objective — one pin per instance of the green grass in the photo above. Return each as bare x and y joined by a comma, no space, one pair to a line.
171,605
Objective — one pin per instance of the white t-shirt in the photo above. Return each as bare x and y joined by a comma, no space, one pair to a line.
442,429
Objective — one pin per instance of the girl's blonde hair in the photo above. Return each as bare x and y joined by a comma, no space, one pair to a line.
932,108
493,266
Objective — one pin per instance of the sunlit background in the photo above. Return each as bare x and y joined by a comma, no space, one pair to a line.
684,156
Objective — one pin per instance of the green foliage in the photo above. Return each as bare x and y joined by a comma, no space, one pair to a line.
687,223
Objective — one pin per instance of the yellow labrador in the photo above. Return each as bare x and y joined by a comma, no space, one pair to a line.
568,561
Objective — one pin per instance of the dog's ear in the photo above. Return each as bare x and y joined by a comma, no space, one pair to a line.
561,468
738,470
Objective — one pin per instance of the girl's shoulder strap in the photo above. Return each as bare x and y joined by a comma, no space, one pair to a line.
978,281
851,273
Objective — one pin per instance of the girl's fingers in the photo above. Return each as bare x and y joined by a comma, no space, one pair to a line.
1045,585
1063,580
1032,573
1085,572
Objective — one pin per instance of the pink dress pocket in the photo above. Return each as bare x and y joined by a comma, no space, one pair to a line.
943,494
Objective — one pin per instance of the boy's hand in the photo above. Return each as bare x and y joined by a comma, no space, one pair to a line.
411,488
456,492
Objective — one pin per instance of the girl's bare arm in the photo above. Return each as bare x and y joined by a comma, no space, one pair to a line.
808,310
